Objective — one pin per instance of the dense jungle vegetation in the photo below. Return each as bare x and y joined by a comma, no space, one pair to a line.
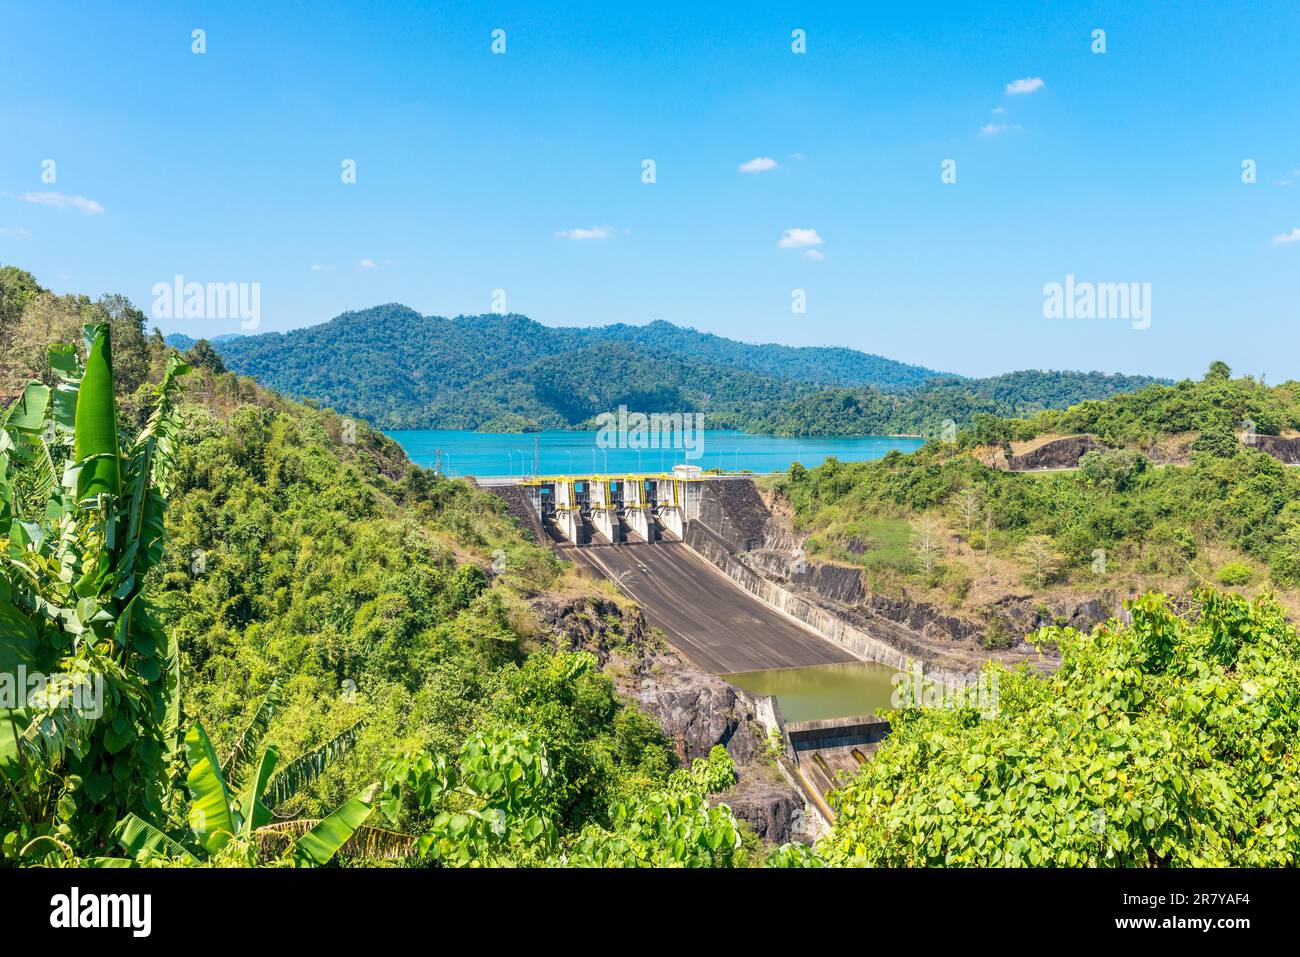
271,641
398,369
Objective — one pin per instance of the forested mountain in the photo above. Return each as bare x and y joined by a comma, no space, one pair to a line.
923,410
820,365
398,369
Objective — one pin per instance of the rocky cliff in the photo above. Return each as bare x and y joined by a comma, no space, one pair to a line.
696,710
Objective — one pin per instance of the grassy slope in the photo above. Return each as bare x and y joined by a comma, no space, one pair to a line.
1165,527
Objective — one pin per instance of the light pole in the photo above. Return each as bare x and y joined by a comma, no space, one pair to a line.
606,451
569,453
737,460
593,460
522,453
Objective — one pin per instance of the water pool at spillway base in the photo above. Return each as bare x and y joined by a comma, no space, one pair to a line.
820,692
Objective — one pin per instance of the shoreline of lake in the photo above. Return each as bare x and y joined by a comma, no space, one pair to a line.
565,451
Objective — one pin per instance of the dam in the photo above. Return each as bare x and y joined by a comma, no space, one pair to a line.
654,536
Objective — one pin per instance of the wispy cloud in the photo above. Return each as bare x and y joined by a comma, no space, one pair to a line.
63,201
799,238
999,109
13,231
997,129
580,233
317,267
1291,237
367,263
759,164
1028,85
816,254
1289,178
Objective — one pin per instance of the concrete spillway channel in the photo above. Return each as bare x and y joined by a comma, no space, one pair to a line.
719,626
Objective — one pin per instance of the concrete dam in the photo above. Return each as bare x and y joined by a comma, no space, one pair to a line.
661,538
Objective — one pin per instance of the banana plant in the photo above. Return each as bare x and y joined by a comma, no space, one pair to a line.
221,813
231,800
81,525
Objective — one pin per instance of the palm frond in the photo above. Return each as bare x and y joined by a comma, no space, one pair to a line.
242,755
367,843
300,772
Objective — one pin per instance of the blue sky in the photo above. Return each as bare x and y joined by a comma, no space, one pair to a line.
1119,167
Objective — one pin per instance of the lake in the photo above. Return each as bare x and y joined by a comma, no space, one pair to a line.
488,454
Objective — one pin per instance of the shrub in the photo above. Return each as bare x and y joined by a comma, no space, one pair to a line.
1234,573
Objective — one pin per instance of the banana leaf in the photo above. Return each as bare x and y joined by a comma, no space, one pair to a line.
251,808
240,759
95,442
136,835
317,846
210,814
27,414
301,771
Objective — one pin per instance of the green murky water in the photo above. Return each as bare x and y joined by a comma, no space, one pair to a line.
822,691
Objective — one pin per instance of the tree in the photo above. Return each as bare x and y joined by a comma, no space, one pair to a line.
203,356
927,541
491,809
130,344
1112,469
45,319
1039,553
17,288
968,506
1218,372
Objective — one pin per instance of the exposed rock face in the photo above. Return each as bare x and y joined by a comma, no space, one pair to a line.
520,509
1058,454
1286,451
601,626
696,710
772,810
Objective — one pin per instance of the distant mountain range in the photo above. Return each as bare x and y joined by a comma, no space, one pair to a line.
399,369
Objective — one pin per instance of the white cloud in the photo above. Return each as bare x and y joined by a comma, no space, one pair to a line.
798,238
367,263
995,129
1028,85
1291,237
759,164
317,267
999,109
63,200
13,231
816,254
579,232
